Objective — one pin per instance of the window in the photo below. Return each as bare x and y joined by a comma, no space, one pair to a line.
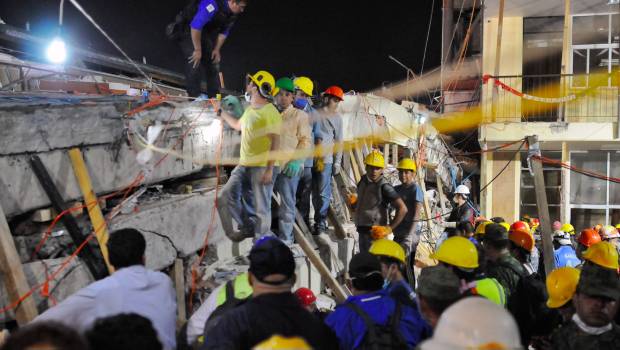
596,45
594,201
553,182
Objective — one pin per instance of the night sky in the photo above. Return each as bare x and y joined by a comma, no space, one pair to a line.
335,42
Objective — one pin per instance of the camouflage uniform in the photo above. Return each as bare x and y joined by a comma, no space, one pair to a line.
507,271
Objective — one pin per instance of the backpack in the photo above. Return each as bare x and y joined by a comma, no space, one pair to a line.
230,303
380,336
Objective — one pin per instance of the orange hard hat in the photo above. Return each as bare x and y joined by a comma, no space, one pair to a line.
589,237
522,239
335,91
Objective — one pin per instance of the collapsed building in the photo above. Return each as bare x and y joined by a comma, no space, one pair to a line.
85,152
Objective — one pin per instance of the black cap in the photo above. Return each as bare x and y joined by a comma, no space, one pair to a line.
363,264
597,281
495,232
270,256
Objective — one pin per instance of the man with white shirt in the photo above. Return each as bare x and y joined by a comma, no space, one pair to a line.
130,289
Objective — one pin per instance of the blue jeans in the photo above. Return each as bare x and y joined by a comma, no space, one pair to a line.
321,194
304,189
286,187
249,201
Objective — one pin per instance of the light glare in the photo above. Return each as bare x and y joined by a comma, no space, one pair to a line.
57,51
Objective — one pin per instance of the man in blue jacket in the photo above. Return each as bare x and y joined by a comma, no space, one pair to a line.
205,25
371,317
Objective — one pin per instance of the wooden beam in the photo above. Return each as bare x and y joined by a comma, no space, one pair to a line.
356,170
395,154
442,198
333,218
91,202
386,154
542,204
177,274
498,54
360,161
315,259
87,254
13,275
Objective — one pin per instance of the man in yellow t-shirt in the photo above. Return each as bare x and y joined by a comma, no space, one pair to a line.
260,127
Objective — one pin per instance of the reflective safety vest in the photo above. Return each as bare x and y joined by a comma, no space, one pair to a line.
241,287
489,288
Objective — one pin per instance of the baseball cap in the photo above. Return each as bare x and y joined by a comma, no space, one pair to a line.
495,232
269,256
364,264
439,282
598,281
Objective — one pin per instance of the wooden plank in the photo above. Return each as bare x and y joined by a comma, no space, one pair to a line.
13,275
395,154
333,218
178,277
315,259
442,198
360,161
87,254
91,202
354,166
498,53
542,204
386,154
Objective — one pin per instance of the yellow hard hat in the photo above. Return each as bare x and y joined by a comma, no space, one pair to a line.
375,158
265,82
603,254
457,251
407,164
279,342
480,229
561,286
568,228
304,84
389,248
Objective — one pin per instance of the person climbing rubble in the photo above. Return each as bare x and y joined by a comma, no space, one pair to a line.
295,140
374,194
328,155
462,211
260,127
195,29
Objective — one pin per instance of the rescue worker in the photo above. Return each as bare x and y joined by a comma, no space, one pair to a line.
474,323
306,298
528,255
596,303
405,234
462,211
500,264
602,254
328,154
370,318
461,256
201,23
561,285
271,275
303,92
563,251
586,239
231,292
392,258
438,288
295,140
374,194
570,230
260,127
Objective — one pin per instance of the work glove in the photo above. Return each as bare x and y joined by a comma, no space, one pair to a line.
293,168
232,105
380,232
319,165
336,169
352,199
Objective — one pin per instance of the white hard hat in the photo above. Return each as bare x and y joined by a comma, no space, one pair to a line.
562,237
462,189
492,326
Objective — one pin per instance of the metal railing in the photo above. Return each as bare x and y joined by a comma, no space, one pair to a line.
551,98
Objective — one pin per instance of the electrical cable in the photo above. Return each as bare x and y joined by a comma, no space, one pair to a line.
505,166
428,33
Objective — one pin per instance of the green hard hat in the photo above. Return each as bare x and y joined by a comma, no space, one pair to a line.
285,84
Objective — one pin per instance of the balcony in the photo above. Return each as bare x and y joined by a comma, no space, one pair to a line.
551,98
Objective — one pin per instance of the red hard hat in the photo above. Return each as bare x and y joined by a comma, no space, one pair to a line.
335,91
520,226
588,237
305,296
